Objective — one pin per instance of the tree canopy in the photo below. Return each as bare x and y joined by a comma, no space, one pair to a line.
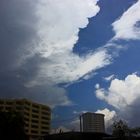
120,129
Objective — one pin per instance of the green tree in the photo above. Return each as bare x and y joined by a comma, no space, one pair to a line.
12,126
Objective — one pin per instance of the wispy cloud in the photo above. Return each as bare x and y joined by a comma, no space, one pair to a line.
127,26
109,78
58,34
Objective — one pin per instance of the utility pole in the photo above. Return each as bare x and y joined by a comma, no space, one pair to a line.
80,117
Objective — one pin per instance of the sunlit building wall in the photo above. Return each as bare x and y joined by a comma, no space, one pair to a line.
36,116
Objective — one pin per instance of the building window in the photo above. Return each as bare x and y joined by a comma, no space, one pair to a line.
26,119
35,116
34,131
35,106
8,108
19,103
9,103
35,121
35,111
45,127
45,113
34,126
45,117
26,108
1,107
44,132
26,113
1,102
19,107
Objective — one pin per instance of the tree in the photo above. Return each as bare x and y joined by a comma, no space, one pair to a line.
120,129
134,131
12,126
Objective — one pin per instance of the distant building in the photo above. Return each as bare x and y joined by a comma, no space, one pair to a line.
36,116
92,122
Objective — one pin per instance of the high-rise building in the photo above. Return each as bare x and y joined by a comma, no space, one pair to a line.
36,116
92,122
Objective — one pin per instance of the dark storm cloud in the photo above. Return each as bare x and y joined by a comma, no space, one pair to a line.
16,31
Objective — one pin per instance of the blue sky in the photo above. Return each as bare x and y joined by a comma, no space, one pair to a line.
97,33
74,55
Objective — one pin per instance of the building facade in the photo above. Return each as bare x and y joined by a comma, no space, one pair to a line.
36,116
92,122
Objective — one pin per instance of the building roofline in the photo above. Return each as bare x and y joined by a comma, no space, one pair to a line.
24,99
93,113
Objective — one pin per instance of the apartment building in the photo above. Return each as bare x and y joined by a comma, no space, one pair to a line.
92,122
36,116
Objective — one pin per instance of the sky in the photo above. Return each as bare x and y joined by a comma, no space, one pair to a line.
73,55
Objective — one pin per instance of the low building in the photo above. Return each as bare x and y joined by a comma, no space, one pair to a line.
36,116
92,122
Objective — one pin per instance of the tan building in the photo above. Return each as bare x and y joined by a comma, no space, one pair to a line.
92,122
36,116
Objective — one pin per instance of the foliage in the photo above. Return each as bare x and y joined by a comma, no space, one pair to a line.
134,131
120,129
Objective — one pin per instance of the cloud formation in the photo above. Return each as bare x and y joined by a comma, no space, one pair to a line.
121,93
109,78
110,116
58,34
124,95
127,26
36,48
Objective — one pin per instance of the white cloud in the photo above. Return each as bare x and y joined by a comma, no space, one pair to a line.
58,33
45,59
75,124
121,94
127,26
109,78
79,112
72,67
110,116
97,86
